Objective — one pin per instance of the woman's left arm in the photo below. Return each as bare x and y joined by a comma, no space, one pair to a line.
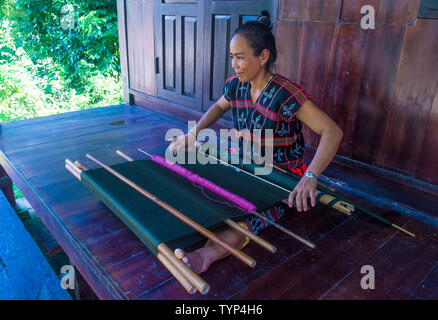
331,136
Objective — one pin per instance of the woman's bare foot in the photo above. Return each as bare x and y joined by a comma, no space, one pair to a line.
197,260
201,259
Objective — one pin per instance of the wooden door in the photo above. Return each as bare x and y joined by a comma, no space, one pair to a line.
221,18
179,48
192,46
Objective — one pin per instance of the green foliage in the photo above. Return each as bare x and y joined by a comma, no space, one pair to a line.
17,193
57,57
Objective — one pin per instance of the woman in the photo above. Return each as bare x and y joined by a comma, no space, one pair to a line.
260,99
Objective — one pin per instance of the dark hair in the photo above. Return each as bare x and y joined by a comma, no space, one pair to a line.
259,36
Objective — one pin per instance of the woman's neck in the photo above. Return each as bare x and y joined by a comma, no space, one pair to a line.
259,83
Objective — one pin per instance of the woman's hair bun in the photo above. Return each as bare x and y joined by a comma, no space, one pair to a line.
264,19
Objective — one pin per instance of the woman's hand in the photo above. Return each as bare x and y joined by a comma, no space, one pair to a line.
305,188
185,140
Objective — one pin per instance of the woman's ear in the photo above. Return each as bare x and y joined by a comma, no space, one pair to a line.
264,56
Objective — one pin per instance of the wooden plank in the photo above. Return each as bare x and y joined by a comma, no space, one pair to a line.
189,60
411,107
387,11
397,11
169,52
59,131
426,290
383,51
427,166
395,264
313,225
220,54
288,49
311,273
148,43
310,10
345,75
314,67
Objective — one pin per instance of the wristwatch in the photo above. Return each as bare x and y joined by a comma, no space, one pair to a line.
310,174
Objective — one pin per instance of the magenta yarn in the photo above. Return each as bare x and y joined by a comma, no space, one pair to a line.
244,204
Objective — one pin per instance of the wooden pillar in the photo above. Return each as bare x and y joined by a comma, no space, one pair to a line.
123,41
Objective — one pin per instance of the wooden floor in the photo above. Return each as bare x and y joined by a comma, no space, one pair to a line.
118,266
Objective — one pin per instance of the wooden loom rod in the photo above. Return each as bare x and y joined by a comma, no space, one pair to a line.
73,171
278,226
369,212
188,273
183,270
206,233
124,156
341,206
177,274
73,166
76,168
263,243
81,166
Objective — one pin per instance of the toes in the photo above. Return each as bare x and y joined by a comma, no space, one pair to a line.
179,253
186,261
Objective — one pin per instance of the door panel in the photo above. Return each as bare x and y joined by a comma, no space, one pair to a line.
192,46
169,52
179,52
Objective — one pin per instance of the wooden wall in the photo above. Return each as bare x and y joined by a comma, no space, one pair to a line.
380,85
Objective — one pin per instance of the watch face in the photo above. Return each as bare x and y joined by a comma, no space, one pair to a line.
310,174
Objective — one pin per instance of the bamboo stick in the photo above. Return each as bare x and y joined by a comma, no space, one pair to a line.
188,273
73,171
326,198
177,274
208,234
81,166
265,244
73,166
229,222
290,233
126,157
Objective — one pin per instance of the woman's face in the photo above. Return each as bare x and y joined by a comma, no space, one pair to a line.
245,64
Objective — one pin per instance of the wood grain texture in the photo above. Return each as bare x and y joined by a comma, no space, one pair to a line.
140,42
383,51
386,11
310,10
316,57
289,48
345,74
378,85
117,265
411,113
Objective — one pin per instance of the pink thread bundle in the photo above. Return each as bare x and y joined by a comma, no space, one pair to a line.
244,204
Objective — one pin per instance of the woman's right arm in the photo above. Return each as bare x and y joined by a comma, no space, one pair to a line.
213,114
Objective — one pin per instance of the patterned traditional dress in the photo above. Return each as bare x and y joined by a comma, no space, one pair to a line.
274,109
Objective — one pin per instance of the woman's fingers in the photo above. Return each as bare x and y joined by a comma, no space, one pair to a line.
304,196
291,198
301,199
312,197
